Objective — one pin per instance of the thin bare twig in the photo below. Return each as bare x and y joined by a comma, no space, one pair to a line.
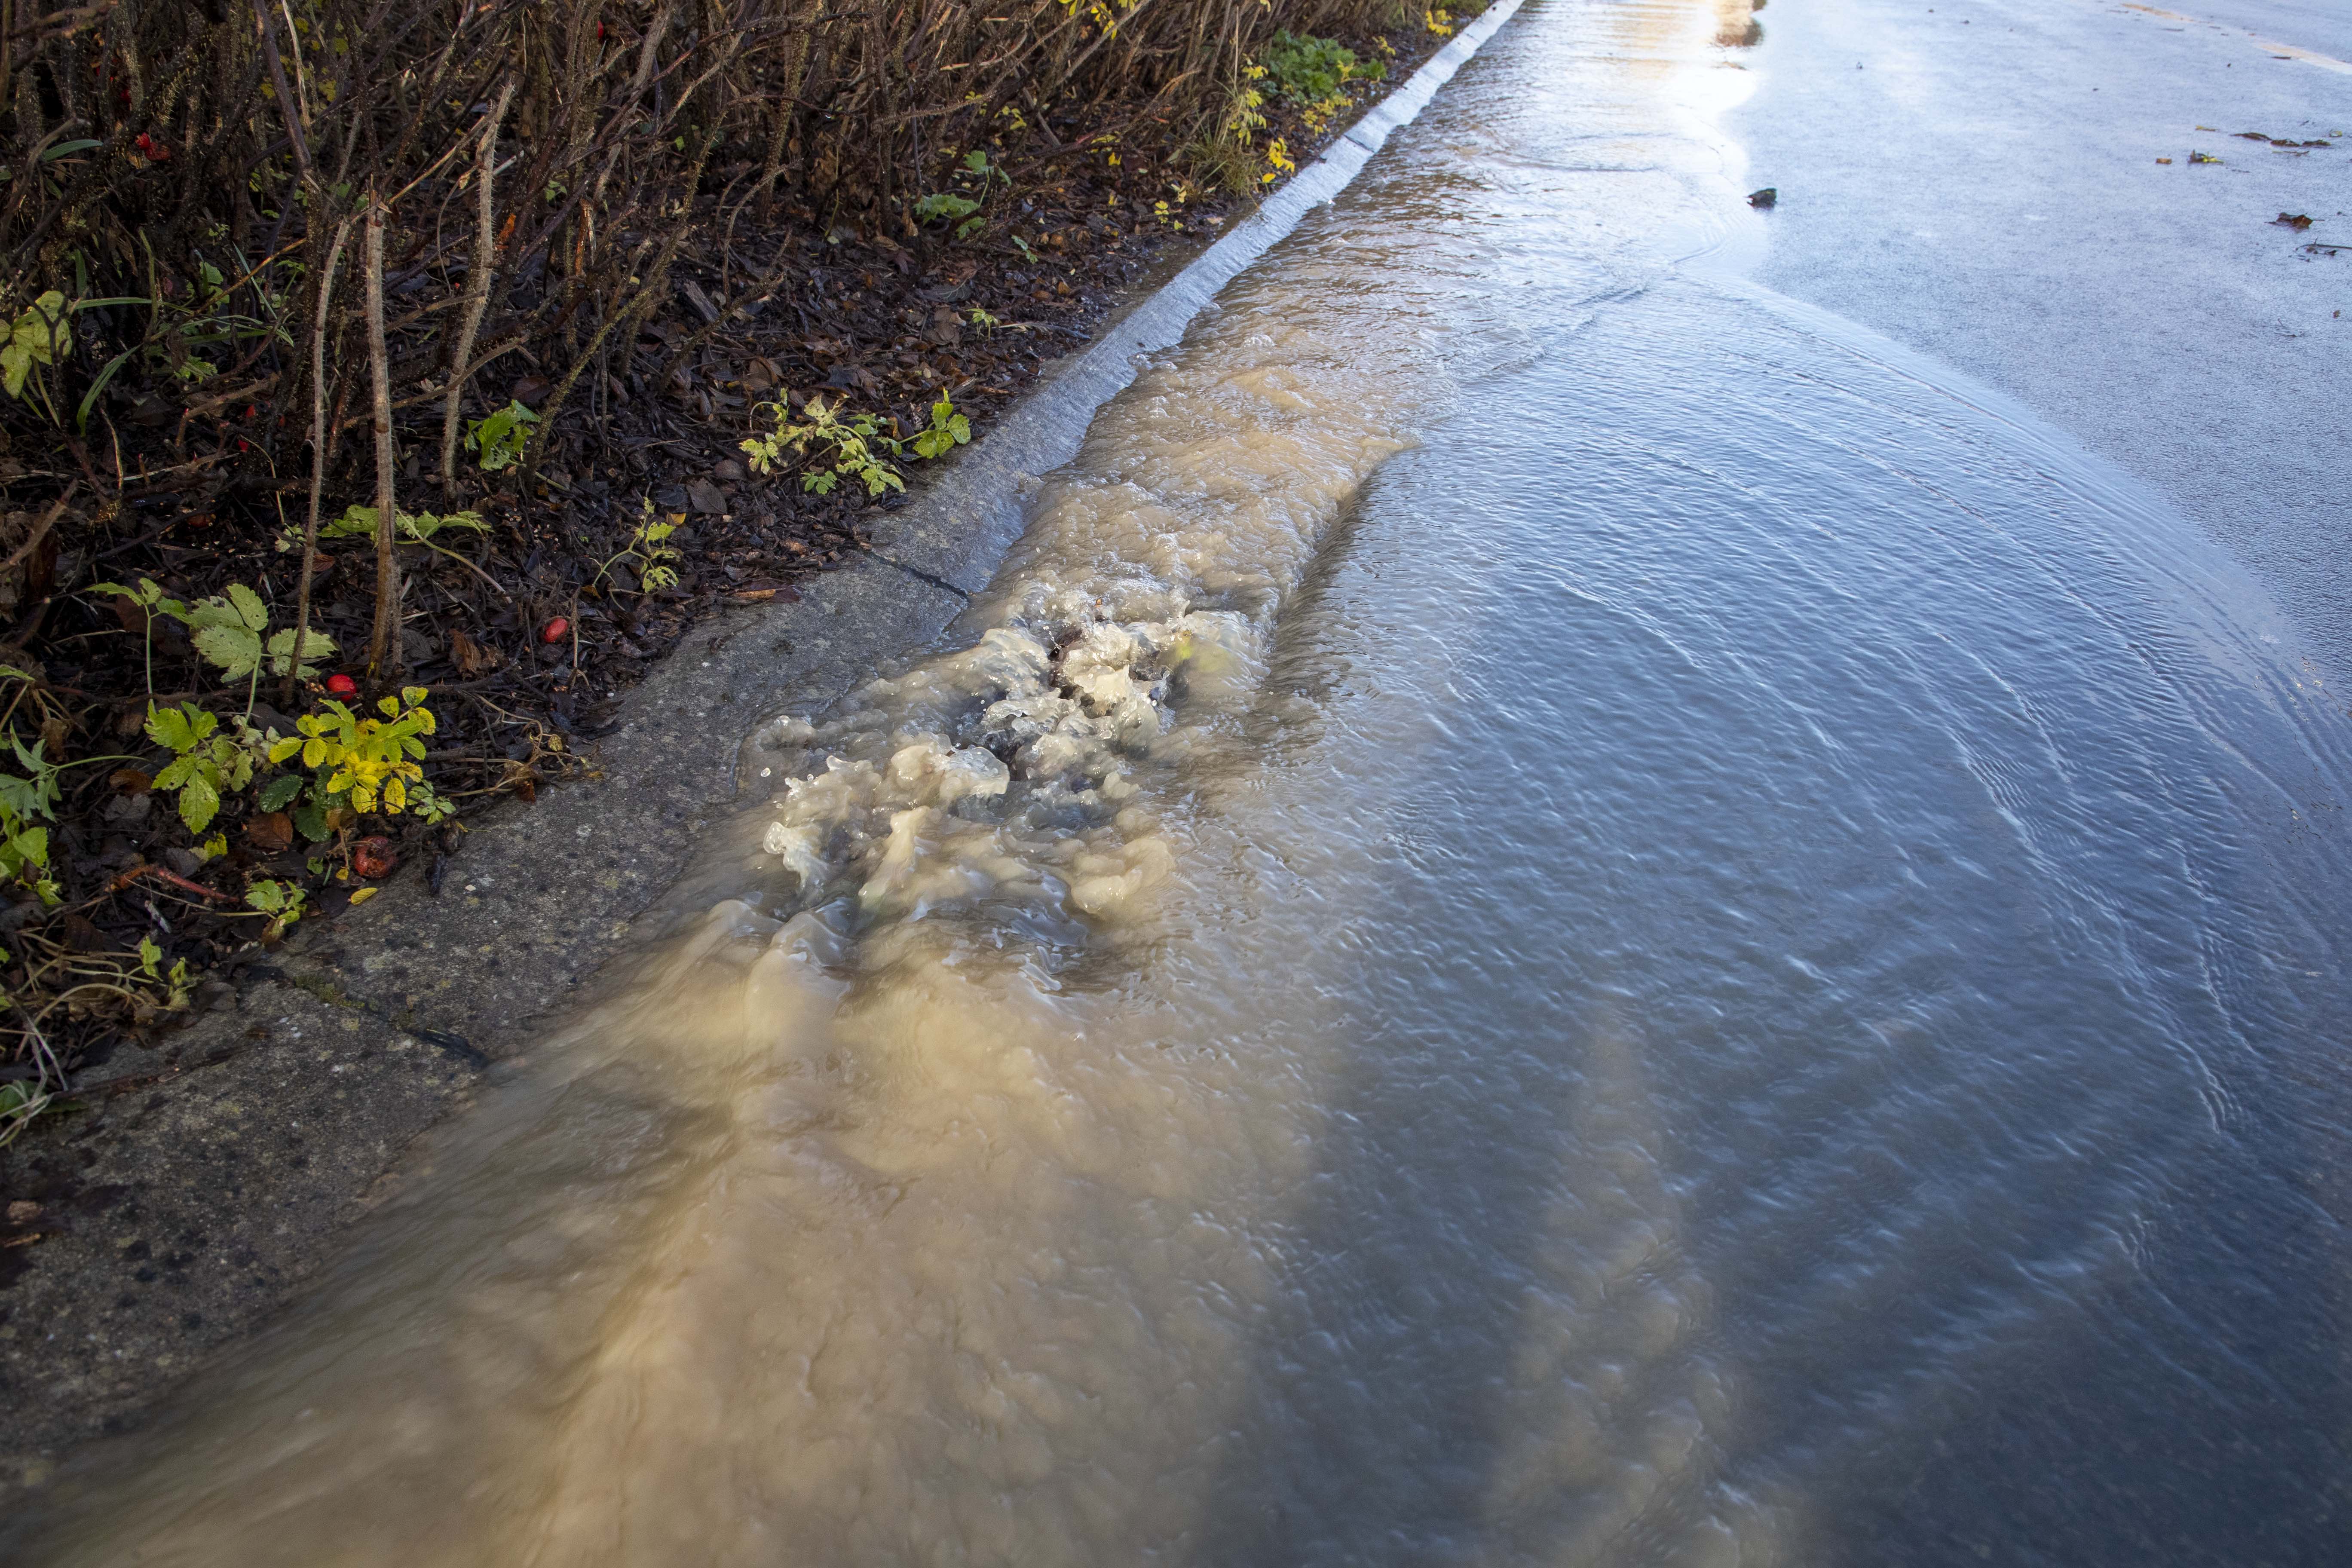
318,446
478,281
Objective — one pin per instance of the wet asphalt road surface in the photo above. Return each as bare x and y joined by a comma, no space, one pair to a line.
1983,181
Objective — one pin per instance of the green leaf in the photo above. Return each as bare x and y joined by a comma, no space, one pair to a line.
28,848
945,205
199,803
268,897
356,522
500,438
249,606
424,525
168,727
316,645
67,149
29,340
236,651
214,612
310,821
176,772
15,364
150,955
281,790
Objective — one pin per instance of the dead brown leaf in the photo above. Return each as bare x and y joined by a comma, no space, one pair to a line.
471,658
270,832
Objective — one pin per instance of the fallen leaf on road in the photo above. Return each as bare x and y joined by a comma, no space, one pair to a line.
363,895
2164,160
2290,220
2203,158
1768,196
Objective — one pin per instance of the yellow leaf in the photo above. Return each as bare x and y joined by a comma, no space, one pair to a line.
363,895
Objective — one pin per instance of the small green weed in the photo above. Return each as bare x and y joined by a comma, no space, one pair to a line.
849,443
497,440
409,528
231,631
38,332
978,177
24,802
281,901
1308,71
649,546
946,205
948,430
417,527
206,766
825,436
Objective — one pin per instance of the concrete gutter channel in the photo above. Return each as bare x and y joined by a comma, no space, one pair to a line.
212,1188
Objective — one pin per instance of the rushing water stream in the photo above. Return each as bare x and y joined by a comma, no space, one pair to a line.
1556,913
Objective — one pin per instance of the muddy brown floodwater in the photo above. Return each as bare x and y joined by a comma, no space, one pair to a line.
1555,912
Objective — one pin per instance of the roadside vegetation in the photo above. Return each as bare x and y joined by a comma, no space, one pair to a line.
383,383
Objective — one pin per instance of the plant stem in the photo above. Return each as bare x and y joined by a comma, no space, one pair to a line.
383,646
318,458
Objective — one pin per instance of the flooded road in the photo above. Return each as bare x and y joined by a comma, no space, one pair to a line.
1557,912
